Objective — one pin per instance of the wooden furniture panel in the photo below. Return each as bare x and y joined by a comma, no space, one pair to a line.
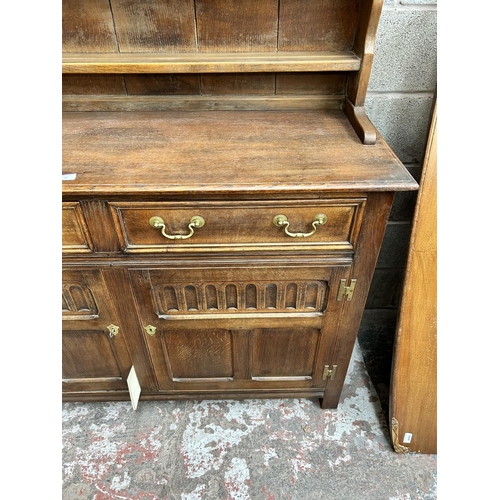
413,409
199,354
281,353
310,83
243,152
235,26
87,26
95,356
314,25
154,25
241,83
239,226
258,292
82,84
254,62
249,114
217,84
208,328
182,84
75,233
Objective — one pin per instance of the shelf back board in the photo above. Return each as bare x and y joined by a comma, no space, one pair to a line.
292,48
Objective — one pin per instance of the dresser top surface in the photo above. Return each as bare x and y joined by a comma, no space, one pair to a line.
209,152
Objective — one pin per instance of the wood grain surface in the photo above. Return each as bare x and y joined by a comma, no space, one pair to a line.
414,377
231,151
210,62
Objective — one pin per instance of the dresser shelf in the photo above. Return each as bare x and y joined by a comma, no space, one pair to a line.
257,62
221,151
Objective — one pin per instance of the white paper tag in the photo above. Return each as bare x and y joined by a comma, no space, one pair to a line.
407,437
68,177
134,387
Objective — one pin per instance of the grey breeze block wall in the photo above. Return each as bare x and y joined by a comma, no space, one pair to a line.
399,103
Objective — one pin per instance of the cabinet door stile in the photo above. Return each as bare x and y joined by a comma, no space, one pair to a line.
331,321
371,236
144,298
122,299
241,354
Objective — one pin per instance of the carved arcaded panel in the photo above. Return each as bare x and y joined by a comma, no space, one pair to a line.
241,297
78,302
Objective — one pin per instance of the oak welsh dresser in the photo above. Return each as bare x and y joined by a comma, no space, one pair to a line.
224,196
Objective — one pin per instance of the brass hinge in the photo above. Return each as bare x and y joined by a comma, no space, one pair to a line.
329,372
346,290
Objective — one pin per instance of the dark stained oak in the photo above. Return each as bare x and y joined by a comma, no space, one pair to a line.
236,111
243,152
162,84
88,27
236,26
93,84
154,25
91,357
211,102
315,25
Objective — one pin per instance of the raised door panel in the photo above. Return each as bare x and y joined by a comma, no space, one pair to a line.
214,359
280,353
75,233
94,352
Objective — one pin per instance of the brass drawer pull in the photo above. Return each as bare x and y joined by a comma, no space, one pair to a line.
195,222
282,221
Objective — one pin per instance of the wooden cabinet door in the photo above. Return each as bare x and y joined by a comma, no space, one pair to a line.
94,353
239,329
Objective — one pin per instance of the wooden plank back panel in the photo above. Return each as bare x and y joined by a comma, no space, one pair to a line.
310,83
88,26
183,26
155,25
239,83
318,25
317,83
236,26
81,84
163,84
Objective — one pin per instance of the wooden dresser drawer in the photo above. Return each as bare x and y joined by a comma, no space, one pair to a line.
75,233
239,226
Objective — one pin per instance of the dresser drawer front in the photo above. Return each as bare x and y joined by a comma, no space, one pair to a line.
239,227
75,234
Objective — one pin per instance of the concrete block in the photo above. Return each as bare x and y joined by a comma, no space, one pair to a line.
405,52
403,121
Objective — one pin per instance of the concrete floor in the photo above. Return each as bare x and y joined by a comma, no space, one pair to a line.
242,450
